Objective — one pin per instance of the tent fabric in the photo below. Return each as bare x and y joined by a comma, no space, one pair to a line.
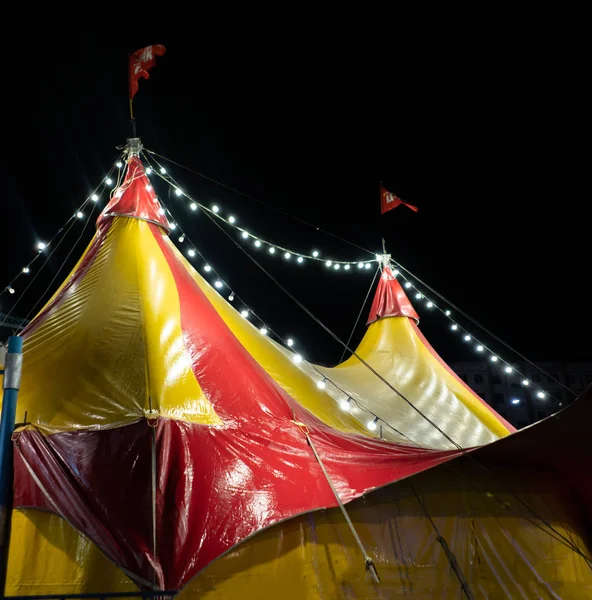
390,300
137,364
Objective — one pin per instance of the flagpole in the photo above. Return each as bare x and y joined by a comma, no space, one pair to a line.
131,102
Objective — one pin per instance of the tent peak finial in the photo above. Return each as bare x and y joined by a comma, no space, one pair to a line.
134,146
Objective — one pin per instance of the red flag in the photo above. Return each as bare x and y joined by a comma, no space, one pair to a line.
140,62
388,200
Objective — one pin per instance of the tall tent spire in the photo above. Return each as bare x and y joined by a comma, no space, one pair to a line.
390,300
135,198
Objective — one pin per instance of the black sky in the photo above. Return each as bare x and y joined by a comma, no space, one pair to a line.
484,131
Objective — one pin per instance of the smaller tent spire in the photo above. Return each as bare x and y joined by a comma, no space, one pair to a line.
390,300
135,198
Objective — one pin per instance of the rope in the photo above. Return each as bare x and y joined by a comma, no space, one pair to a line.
447,551
370,567
360,313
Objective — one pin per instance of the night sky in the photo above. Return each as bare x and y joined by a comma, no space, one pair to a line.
485,138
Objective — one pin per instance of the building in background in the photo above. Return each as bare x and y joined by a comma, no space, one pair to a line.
523,405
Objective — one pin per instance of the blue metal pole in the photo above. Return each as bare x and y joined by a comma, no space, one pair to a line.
11,385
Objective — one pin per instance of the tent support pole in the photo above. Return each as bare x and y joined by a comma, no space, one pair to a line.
11,385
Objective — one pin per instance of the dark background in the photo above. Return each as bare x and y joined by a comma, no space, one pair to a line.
481,127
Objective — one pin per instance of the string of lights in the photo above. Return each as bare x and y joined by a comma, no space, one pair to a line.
258,242
79,215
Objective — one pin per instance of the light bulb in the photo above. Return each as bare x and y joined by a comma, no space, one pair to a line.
346,267
191,252
407,284
263,331
148,187
368,265
94,198
26,269
525,382
430,304
290,342
215,209
207,268
161,211
231,219
244,313
182,238
467,338
271,250
418,296
328,263
360,265
396,272
515,401
173,226
297,358
345,404
508,369
257,243
337,267
41,246
245,234
218,284
315,253
454,327
193,206
10,289
80,215
178,191
287,255
493,358
372,424
300,259
108,181
447,313
480,348
231,297
119,193
119,164
148,171
321,385
162,170
540,394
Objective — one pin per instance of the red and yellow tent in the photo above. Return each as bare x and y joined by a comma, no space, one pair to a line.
171,446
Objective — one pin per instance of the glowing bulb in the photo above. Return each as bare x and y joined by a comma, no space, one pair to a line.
10,289
257,243
182,238
178,191
173,226
346,267
360,265
328,263
525,382
161,211
447,313
215,209
26,270
337,267
515,401
345,404
372,424
245,234
297,358
207,268
300,259
508,369
244,314
148,171
480,348
493,358
454,327
108,181
119,164
430,304
290,342
396,272
231,297
94,198
148,187
193,206
287,255
467,338
418,296
540,394
263,331
80,215
231,219
191,252
315,253
368,265
41,246
407,284
119,193
271,250
162,170
321,385
218,284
